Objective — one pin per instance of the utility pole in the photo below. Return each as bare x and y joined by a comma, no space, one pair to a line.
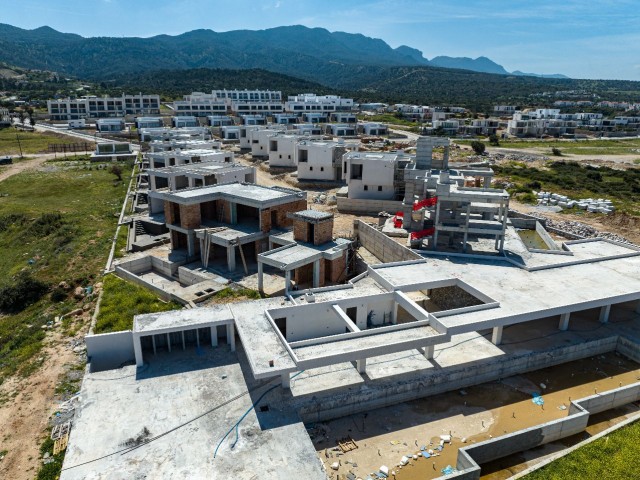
19,144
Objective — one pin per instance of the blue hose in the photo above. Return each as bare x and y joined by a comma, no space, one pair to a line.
237,424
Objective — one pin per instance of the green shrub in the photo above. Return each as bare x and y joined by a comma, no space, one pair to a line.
478,147
556,151
22,292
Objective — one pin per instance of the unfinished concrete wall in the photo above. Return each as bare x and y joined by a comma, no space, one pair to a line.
109,350
384,248
370,207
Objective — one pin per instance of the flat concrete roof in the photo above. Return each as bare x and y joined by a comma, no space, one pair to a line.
152,323
312,215
187,401
202,168
526,295
246,193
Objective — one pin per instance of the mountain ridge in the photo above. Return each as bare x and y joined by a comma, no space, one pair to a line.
291,50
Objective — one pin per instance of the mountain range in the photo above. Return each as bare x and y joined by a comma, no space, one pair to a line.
292,50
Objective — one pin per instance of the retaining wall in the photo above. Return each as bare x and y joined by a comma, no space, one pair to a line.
371,207
384,248
109,350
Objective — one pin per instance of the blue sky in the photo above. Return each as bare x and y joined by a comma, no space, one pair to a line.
582,39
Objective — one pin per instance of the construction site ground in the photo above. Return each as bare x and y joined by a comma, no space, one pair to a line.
383,436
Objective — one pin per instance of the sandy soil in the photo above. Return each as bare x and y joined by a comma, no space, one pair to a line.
384,435
29,404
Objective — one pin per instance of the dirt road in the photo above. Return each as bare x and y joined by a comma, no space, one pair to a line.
33,163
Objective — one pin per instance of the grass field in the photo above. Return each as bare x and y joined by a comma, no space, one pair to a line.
630,146
577,181
388,118
121,300
613,457
31,142
54,226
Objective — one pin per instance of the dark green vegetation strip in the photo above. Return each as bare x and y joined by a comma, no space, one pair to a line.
613,457
577,181
121,300
54,226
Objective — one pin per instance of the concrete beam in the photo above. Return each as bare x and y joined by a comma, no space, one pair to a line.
496,335
410,306
287,281
564,321
604,313
183,345
169,342
153,342
342,314
361,365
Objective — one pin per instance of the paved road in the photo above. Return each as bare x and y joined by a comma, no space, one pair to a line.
81,135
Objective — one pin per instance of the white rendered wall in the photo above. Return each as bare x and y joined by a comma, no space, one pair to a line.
285,155
319,164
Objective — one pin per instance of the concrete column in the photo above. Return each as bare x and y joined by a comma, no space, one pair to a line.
231,258
496,336
191,244
233,212
197,338
394,313
637,310
286,380
564,321
153,342
152,182
428,352
316,273
137,348
487,182
287,280
231,336
604,313
183,345
361,365
214,336
260,273
169,342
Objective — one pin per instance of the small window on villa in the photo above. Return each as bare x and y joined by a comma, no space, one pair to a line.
322,169
310,168
366,187
380,188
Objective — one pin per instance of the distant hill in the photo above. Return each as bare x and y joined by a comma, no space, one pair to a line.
293,50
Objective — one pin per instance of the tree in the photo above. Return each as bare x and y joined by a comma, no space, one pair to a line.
478,147
493,140
117,171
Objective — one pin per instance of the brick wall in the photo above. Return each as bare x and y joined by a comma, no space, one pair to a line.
323,232
168,212
281,214
224,207
304,274
336,269
190,216
300,230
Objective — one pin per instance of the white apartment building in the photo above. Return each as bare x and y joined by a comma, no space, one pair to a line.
199,104
482,126
246,133
253,120
186,157
343,117
149,122
285,118
230,96
310,102
314,117
342,130
308,129
321,160
374,129
260,140
167,133
179,144
282,150
504,110
110,124
102,107
450,126
372,175
220,120
230,132
256,107
187,121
